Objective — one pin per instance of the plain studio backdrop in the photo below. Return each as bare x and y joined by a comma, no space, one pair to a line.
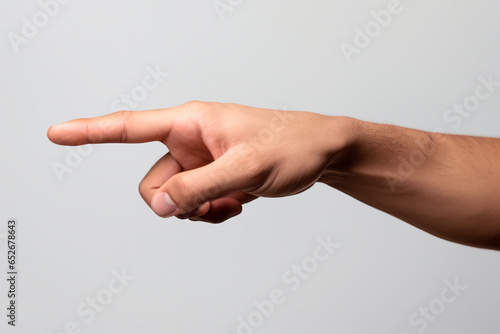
93,258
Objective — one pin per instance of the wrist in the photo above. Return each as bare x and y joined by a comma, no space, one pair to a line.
342,138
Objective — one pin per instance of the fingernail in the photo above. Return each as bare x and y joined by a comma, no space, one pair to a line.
163,205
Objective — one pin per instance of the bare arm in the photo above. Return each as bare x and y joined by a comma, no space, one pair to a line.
222,156
447,185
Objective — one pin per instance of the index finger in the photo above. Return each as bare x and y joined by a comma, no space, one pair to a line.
119,127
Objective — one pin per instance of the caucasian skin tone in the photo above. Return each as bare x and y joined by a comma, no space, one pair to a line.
222,156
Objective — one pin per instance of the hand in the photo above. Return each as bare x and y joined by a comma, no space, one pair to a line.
220,155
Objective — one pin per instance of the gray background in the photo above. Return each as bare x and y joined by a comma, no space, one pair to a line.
199,278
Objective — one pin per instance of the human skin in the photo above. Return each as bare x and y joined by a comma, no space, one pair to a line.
222,156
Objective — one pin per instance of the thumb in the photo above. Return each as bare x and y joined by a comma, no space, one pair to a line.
188,190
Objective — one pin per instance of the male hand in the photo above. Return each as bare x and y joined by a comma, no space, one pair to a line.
220,155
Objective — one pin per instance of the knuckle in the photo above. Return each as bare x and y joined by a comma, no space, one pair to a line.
201,107
196,105
110,128
123,116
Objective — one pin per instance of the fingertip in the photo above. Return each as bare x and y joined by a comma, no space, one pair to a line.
55,134
163,205
50,133
234,212
70,133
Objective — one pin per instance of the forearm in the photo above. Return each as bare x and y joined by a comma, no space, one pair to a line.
447,185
